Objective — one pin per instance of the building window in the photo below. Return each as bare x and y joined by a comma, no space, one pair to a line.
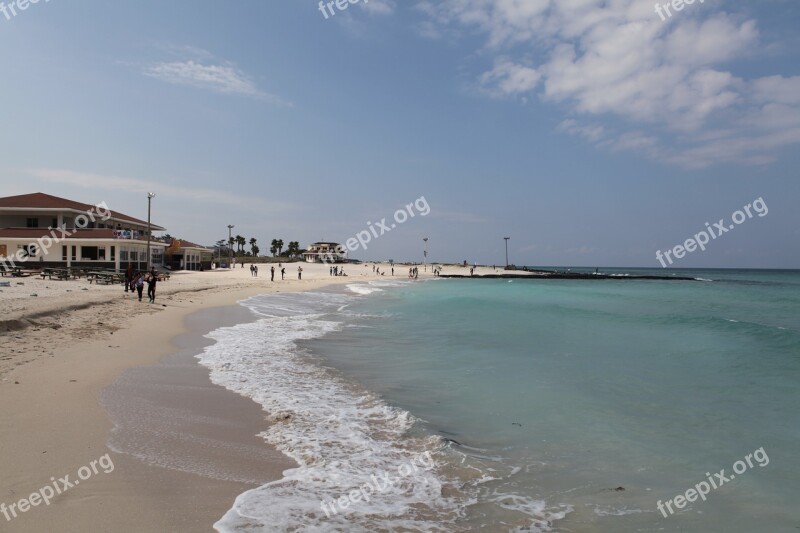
74,253
113,249
28,250
63,253
32,223
89,253
54,223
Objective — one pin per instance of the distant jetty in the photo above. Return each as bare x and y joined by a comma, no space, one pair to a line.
546,274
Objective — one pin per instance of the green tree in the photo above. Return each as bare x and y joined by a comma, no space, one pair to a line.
293,249
253,246
240,242
273,249
279,243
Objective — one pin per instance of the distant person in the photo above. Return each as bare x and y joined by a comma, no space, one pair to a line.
283,272
272,273
378,271
331,272
139,283
255,270
252,270
151,287
373,269
392,271
299,272
128,277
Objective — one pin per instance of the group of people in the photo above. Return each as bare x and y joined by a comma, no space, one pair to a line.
413,273
135,280
336,271
253,270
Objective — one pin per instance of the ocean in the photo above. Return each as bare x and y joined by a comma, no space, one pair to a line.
525,405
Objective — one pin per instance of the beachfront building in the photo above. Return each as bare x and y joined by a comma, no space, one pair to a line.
40,230
185,255
325,252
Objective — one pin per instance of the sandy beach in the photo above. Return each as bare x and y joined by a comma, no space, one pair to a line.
66,342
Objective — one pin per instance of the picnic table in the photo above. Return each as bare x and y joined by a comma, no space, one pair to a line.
58,273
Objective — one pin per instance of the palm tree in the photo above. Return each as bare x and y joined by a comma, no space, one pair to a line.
240,242
253,247
293,249
274,247
280,245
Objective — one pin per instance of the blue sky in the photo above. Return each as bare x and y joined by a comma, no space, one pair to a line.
590,132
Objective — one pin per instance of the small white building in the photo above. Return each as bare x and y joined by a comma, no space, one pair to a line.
43,230
325,252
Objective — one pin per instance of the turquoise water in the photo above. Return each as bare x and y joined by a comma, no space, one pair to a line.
563,392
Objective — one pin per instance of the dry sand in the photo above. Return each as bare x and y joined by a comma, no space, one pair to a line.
63,347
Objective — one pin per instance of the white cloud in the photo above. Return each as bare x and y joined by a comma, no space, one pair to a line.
508,78
615,60
224,79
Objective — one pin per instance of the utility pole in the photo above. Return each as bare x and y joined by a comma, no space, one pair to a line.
150,197
506,238
230,250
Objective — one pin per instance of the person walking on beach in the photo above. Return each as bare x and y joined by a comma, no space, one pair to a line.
272,273
299,272
139,283
255,270
283,272
128,277
251,271
151,287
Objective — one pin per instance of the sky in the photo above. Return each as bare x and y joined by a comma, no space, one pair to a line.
592,133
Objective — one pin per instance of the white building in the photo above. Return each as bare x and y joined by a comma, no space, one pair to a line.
43,230
325,252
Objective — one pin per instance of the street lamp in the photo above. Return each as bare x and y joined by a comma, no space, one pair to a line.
150,197
230,250
506,238
425,255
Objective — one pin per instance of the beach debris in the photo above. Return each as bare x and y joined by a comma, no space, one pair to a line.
281,417
34,295
73,381
516,424
16,383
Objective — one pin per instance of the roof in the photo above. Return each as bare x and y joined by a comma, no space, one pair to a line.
39,200
181,243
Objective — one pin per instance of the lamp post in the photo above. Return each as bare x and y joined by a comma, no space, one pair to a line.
150,197
230,251
506,238
425,255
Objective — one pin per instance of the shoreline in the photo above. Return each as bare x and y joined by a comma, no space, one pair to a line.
56,423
